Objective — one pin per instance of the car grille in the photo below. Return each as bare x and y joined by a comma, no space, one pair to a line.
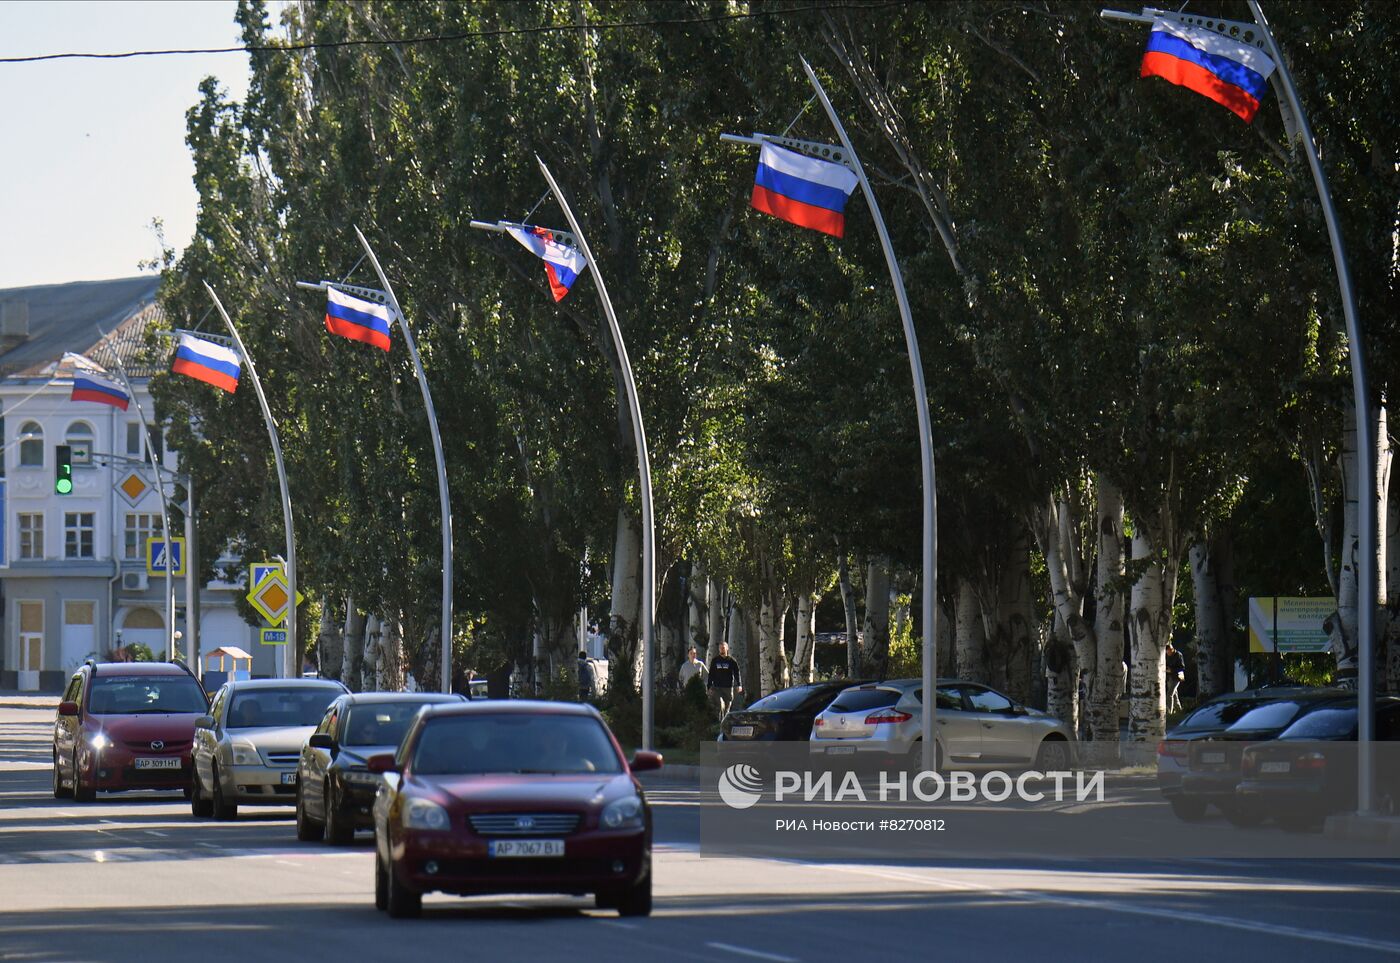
143,746
282,758
523,824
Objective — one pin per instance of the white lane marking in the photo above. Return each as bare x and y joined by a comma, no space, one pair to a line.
155,832
287,862
753,954
619,924
1176,915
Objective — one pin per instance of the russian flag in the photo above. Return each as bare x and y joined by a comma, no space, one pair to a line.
562,263
1228,72
802,190
88,386
207,361
357,319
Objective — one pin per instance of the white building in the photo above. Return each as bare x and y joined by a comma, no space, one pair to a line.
73,567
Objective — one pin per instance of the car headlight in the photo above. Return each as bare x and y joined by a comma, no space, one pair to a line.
359,777
100,742
625,813
424,814
244,754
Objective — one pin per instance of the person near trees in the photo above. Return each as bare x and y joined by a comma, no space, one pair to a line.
725,680
691,668
1176,674
587,677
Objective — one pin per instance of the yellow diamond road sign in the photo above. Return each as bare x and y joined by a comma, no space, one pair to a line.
133,488
270,597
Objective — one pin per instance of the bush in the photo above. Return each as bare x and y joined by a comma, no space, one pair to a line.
683,720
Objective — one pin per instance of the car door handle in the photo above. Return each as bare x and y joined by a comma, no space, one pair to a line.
988,725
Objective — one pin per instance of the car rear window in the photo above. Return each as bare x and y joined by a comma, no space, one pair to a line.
514,743
1328,723
292,706
379,723
1274,715
131,695
786,699
861,700
1217,715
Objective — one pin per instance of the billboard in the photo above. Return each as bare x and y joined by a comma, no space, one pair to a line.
1278,624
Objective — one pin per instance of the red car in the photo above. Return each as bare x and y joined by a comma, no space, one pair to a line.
125,725
511,797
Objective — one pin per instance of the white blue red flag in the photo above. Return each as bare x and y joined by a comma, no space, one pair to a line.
1230,73
562,263
207,361
88,385
357,318
802,190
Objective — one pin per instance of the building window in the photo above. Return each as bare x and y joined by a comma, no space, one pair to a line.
135,449
31,535
31,450
78,529
139,527
80,438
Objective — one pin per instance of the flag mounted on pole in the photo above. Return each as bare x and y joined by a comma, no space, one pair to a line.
358,319
207,361
1230,73
562,263
88,385
803,190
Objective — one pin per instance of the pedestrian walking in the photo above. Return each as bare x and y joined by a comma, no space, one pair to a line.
691,668
1176,674
724,681
587,677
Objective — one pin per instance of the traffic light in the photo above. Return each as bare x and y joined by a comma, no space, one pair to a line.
63,470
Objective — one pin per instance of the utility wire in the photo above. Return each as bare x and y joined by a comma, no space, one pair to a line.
470,35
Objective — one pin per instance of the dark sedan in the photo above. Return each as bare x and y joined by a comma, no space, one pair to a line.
1309,771
783,716
335,789
511,797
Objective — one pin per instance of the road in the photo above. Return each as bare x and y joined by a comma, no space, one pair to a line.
134,877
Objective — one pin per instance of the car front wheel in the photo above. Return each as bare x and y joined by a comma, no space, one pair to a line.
381,884
221,808
1053,755
81,793
399,900
308,830
200,806
635,900
60,791
339,830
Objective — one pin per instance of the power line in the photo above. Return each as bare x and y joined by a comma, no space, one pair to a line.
469,35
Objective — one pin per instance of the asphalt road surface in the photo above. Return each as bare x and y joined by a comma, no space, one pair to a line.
134,877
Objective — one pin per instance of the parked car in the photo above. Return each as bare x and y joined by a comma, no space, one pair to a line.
1309,771
785,715
125,725
1209,718
1213,759
511,797
334,787
978,727
246,749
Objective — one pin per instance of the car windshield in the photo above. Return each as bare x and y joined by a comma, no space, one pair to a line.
786,699
1330,723
379,723
861,700
118,695
292,706
1217,715
1274,715
514,742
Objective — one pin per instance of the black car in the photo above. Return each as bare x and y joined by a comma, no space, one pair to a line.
1213,760
1309,771
785,715
335,789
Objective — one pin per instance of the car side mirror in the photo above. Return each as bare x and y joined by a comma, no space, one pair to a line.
322,740
68,708
646,761
384,762
1017,710
204,722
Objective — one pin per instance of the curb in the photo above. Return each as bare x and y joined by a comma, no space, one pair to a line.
1368,828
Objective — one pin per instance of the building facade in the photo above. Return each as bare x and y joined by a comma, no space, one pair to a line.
73,568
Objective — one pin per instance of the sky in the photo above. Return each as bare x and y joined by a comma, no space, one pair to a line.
91,151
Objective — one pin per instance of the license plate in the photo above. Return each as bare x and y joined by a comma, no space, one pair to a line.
289,778
500,848
157,762
1273,767
1212,758
741,732
840,750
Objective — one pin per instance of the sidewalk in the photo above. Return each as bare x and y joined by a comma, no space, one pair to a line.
1369,828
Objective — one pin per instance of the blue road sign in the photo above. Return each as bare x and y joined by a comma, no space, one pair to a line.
155,556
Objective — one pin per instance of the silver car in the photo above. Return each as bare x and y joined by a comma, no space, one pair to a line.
978,727
246,749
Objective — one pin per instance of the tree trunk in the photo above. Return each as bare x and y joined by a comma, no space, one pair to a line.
1211,635
1392,595
1147,708
805,655
854,669
969,635
1106,688
330,647
875,643
714,607
698,588
352,673
1061,679
371,671
391,659
1016,601
947,652
623,642
1343,642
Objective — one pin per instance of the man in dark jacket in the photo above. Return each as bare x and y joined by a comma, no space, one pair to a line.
1176,674
587,677
724,680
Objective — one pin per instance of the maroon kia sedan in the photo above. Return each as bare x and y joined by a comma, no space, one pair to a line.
511,797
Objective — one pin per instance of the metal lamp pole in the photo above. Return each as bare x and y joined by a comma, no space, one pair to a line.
1300,130
916,366
291,666
444,499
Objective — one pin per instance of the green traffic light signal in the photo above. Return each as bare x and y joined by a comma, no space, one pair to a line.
63,470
